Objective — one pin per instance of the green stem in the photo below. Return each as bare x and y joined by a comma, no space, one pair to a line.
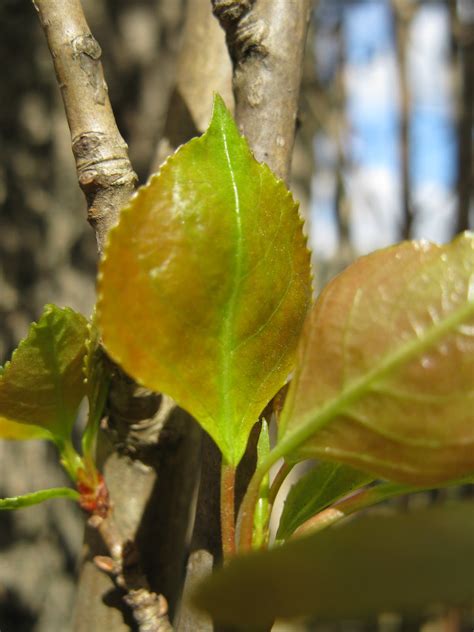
34,498
228,510
70,459
247,509
249,503
361,499
278,481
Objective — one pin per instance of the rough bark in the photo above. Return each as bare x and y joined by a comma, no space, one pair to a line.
266,40
103,167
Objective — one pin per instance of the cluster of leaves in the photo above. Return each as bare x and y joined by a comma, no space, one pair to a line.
53,369
210,265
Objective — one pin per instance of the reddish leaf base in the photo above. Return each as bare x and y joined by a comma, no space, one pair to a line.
94,494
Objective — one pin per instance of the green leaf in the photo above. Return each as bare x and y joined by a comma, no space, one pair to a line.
42,386
97,380
262,510
376,563
205,284
385,381
19,431
27,500
316,490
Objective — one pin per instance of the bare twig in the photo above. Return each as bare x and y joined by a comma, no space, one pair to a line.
463,32
266,40
103,167
150,610
404,11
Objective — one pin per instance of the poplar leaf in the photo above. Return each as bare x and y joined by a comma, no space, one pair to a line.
375,563
205,284
42,385
385,380
316,490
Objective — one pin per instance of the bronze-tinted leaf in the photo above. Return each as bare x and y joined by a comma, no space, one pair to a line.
386,375
205,283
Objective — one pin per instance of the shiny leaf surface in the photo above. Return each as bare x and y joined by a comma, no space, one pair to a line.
42,385
385,380
376,563
316,490
205,284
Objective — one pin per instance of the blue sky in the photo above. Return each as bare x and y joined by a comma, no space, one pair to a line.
371,83
368,31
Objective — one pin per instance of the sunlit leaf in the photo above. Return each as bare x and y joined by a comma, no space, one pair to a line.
27,500
43,384
376,563
385,381
317,489
205,284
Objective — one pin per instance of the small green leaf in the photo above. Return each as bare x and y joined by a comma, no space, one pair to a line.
375,563
205,284
42,386
97,379
385,380
262,510
316,490
27,500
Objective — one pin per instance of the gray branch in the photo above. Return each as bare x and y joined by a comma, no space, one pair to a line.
266,40
103,168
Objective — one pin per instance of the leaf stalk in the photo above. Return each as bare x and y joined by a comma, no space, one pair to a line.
227,506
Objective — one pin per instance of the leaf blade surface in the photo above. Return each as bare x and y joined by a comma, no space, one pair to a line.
210,265
385,382
42,385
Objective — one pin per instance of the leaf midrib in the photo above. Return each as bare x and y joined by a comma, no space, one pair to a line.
227,398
